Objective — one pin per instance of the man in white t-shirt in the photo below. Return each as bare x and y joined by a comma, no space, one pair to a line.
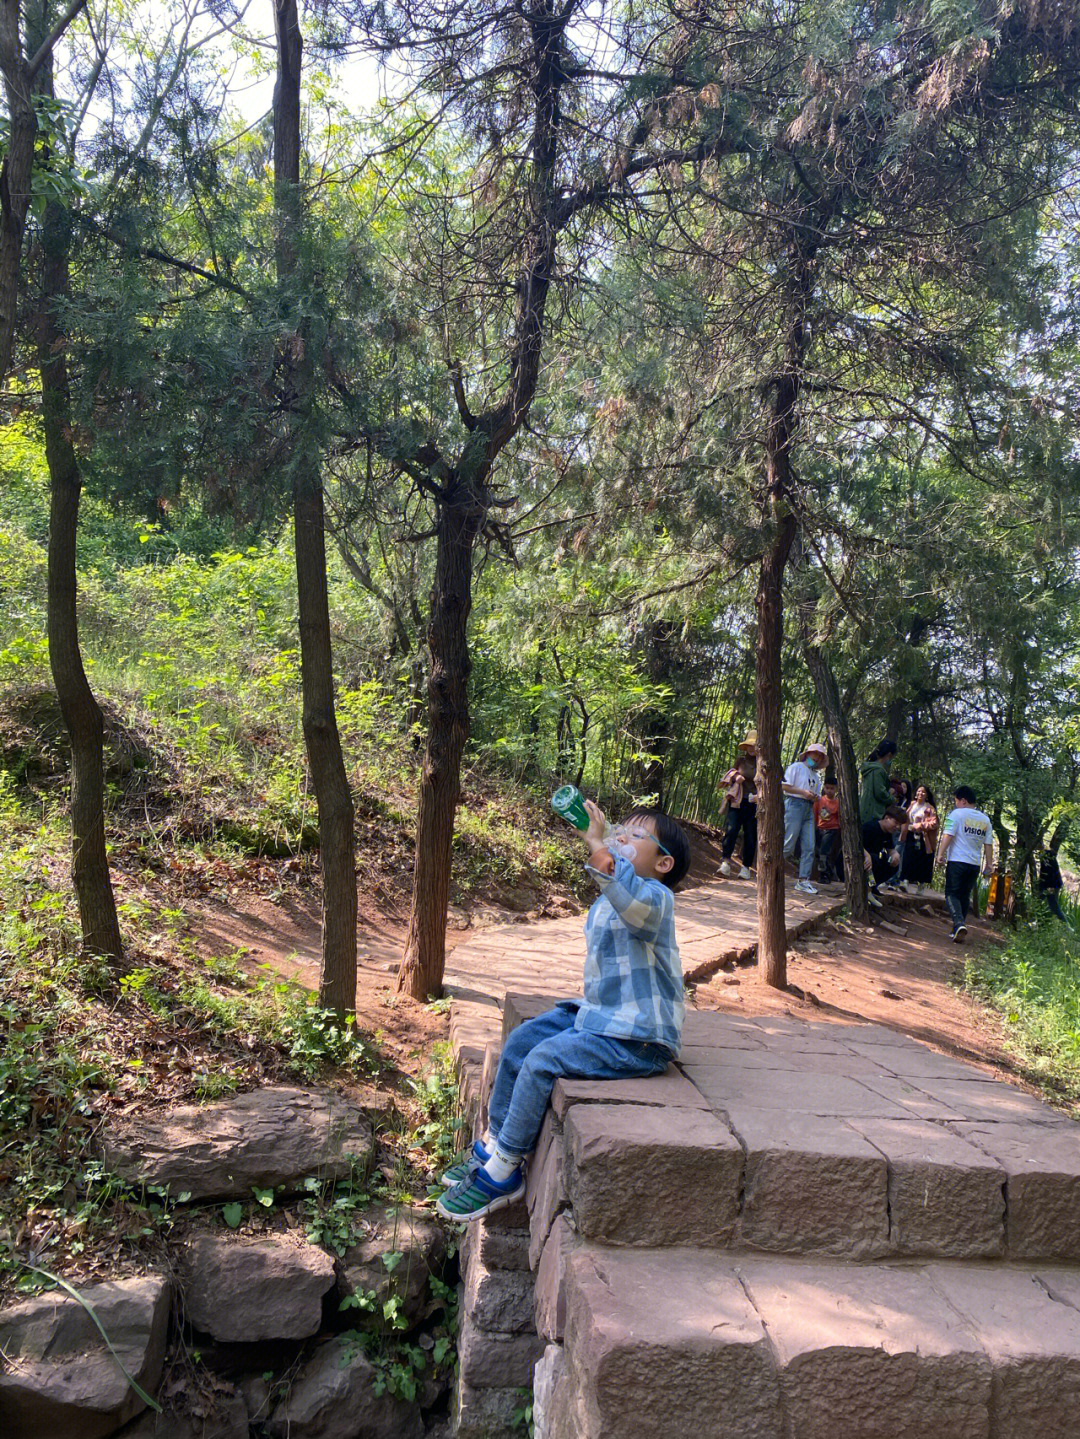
966,841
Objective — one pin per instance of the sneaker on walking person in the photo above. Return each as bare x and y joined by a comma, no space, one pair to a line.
873,901
805,887
958,933
745,873
726,870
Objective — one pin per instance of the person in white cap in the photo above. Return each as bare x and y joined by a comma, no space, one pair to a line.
802,786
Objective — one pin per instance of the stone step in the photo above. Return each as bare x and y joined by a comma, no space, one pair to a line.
849,1141
682,1343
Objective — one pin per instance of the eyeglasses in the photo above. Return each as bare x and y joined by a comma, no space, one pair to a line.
621,832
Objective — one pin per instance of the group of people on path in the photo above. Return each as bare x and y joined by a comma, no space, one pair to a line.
902,834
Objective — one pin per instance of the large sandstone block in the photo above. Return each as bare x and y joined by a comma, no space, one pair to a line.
645,1176
499,1300
550,1381
333,1397
268,1137
545,1194
1028,1326
549,1295
946,1198
812,1184
496,1361
671,1088
914,1102
869,1352
796,1091
498,1248
915,1061
59,1379
487,1413
1042,1185
665,1343
991,1101
241,1292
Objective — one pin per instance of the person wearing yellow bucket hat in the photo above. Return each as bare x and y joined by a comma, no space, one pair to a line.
748,746
802,786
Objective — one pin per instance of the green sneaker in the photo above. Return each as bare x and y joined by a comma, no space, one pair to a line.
480,1194
465,1166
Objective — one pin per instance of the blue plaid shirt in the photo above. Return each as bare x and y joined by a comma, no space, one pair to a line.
633,977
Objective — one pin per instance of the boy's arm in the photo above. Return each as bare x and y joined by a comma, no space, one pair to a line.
639,903
988,857
600,860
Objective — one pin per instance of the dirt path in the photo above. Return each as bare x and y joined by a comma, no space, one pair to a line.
907,981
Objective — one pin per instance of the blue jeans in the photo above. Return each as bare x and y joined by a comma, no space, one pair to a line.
539,1052
799,829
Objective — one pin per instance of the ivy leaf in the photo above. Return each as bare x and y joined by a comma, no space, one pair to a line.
232,1214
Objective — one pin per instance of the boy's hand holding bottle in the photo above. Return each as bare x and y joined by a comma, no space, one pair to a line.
600,857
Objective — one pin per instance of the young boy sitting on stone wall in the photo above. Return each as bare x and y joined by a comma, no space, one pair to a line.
628,1026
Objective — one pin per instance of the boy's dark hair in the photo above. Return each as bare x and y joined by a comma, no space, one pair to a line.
887,746
895,812
672,838
964,791
830,778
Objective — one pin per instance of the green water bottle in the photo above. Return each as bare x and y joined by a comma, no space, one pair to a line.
569,804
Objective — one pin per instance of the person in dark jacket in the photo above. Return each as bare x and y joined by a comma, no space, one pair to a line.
1050,883
875,796
877,838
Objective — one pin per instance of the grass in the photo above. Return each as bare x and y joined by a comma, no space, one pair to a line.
78,1043
1033,983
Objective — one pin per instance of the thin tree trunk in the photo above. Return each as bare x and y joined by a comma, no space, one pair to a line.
459,519
828,697
333,798
22,68
772,931
80,710
15,172
82,716
768,695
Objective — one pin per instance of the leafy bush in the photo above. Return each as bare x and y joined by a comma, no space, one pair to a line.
1034,984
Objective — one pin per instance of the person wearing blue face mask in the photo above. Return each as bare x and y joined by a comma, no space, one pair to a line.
802,786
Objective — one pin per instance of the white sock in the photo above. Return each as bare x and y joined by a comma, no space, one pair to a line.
502,1166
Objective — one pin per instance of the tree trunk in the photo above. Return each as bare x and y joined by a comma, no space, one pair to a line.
772,931
82,716
828,697
459,519
15,172
337,980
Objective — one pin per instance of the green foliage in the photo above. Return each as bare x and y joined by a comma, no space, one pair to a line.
1034,984
439,1095
333,1211
401,1364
